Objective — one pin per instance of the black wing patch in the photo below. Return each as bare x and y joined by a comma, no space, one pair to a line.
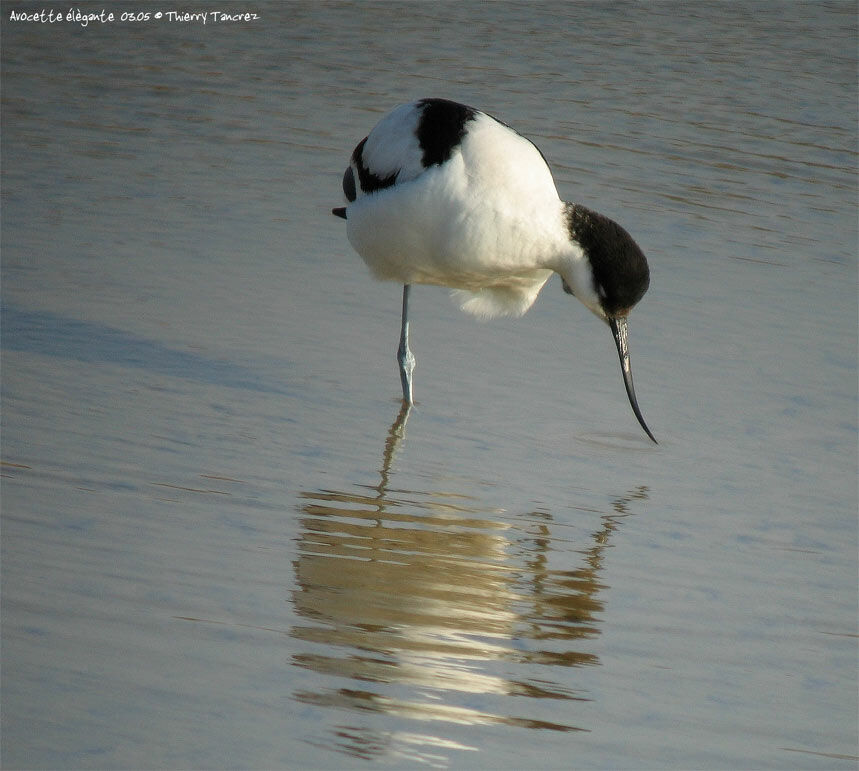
349,185
441,128
369,181
349,190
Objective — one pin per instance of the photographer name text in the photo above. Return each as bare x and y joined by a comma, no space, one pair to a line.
85,18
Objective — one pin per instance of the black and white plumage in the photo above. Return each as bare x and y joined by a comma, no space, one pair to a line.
441,193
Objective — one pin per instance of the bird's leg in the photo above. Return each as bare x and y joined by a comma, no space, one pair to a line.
404,355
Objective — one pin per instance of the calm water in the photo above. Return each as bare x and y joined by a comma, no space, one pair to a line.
221,545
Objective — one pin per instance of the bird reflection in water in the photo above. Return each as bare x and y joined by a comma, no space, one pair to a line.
434,608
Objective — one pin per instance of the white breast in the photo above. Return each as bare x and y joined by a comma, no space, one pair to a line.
487,220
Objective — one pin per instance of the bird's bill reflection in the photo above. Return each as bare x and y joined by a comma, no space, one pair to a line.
620,330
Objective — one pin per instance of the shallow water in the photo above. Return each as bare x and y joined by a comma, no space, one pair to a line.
222,546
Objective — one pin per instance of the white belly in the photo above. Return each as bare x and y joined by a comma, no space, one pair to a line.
451,229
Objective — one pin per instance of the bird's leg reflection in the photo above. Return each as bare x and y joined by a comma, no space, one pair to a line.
396,434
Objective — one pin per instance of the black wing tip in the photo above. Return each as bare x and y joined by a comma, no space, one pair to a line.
340,211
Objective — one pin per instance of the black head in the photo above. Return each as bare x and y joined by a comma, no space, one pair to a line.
618,266
619,277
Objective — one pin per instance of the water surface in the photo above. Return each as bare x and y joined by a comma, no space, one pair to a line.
223,545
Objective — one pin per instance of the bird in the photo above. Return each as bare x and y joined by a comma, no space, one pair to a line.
444,194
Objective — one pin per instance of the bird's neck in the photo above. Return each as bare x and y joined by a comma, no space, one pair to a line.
572,265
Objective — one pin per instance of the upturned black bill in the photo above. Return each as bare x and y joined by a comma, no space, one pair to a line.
621,333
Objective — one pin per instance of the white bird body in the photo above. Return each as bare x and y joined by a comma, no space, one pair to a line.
440,193
476,223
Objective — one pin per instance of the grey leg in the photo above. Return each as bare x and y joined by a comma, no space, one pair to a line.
404,354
